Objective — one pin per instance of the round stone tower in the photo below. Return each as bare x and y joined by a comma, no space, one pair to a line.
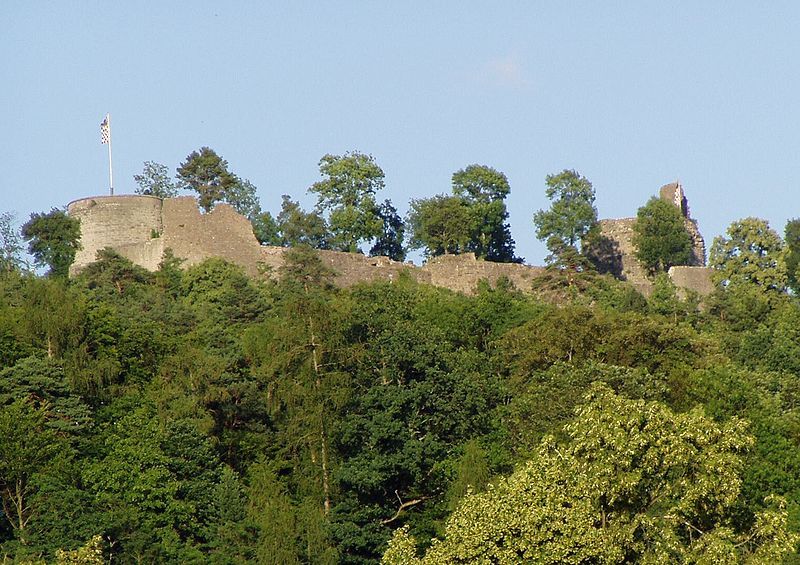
126,222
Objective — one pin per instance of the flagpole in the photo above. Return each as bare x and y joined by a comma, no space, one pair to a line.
110,169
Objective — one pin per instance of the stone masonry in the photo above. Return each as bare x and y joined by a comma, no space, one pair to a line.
142,228
614,251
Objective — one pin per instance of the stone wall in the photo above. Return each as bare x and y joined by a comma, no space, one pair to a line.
220,233
463,272
141,228
118,222
614,252
698,279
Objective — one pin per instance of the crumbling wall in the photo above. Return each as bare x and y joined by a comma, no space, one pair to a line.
697,279
220,233
673,193
463,272
613,250
141,228
622,261
354,268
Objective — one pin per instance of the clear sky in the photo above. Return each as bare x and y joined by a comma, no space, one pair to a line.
630,94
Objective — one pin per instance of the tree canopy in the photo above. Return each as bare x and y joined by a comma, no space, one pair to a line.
154,180
53,239
570,218
207,174
347,195
751,254
635,482
660,236
473,219
792,241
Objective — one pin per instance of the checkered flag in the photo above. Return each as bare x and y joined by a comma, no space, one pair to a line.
105,132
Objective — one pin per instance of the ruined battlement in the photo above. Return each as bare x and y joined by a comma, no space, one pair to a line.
142,228
614,251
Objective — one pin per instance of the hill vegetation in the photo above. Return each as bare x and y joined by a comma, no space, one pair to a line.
202,416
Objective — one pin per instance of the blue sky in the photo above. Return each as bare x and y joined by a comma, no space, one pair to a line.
631,94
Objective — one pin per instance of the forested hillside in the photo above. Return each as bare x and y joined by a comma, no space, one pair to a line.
201,416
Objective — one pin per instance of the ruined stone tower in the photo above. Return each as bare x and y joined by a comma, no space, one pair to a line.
613,251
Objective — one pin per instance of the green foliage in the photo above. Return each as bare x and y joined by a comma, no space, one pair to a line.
242,196
660,236
635,482
155,180
155,484
206,173
474,219
485,190
89,554
390,242
27,446
266,229
53,240
751,254
132,402
43,384
347,195
792,241
570,218
10,245
298,227
440,225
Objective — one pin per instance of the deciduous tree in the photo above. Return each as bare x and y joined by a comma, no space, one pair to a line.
473,219
635,482
27,446
154,180
791,239
10,244
751,254
485,190
347,195
390,242
440,225
298,227
570,217
660,236
53,239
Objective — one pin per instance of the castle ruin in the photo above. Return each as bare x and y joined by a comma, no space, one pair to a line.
614,252
142,228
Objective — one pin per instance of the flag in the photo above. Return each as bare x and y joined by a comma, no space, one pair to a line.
105,132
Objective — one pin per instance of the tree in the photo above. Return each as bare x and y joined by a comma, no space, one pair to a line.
485,190
266,229
298,227
242,196
206,173
155,181
473,219
390,242
28,446
441,225
570,218
347,194
660,236
751,254
635,482
791,239
10,245
53,240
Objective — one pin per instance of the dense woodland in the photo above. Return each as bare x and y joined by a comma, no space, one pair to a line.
200,416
